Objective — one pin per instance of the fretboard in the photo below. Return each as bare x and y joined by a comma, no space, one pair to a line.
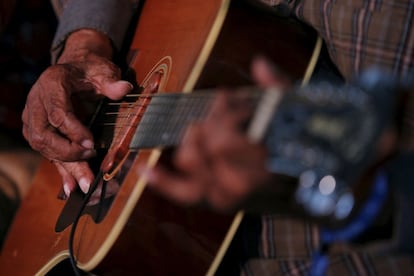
169,114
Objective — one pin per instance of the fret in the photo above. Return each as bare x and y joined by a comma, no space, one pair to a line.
167,117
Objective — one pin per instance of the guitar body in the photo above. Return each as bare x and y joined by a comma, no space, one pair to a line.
194,44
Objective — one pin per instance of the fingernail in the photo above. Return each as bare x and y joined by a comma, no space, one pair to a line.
66,189
84,184
88,154
127,83
88,144
121,84
130,86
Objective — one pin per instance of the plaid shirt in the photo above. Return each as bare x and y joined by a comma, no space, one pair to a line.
361,33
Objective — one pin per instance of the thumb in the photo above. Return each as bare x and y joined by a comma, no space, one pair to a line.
115,90
105,78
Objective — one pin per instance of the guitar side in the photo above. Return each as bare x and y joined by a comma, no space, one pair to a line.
141,231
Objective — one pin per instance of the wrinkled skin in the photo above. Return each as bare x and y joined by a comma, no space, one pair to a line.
49,121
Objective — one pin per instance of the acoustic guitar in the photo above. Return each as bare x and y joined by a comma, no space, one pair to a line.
183,45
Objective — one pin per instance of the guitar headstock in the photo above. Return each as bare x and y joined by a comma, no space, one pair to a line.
325,135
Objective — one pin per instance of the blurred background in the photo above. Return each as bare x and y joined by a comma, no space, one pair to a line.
26,32
27,28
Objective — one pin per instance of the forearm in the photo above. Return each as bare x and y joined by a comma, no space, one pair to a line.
83,42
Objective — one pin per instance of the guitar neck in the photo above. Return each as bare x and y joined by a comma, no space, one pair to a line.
169,114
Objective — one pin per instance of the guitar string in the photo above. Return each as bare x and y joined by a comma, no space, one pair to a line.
124,120
122,114
130,107
190,108
125,114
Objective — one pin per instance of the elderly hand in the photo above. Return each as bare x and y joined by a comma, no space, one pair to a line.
49,121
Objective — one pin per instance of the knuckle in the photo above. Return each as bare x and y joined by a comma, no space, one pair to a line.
56,116
217,149
54,71
37,141
108,68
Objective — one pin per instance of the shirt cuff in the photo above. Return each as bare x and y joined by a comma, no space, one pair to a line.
110,17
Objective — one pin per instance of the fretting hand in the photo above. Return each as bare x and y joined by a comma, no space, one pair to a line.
216,163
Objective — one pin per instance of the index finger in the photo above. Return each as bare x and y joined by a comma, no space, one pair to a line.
51,127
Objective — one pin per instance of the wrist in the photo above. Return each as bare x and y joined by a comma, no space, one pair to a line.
84,42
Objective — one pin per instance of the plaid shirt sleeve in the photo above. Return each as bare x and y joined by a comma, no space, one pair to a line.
110,17
361,34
